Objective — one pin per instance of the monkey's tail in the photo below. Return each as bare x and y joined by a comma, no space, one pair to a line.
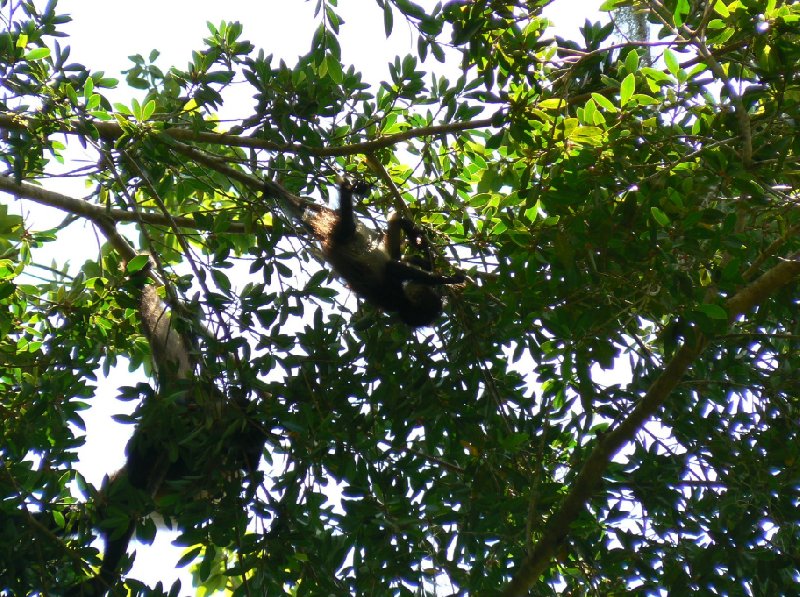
104,580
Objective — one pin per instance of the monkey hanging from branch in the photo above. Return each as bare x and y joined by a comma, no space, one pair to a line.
375,267
159,457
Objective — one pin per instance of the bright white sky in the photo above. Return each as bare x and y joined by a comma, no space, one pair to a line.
102,36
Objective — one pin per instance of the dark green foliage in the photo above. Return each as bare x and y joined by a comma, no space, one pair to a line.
607,199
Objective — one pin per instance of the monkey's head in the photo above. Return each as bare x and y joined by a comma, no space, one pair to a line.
422,307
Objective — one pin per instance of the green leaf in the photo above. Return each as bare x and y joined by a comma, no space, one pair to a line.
37,54
136,109
551,104
149,109
604,102
626,89
632,61
88,88
334,69
137,263
388,18
713,311
680,12
59,519
721,9
672,62
660,217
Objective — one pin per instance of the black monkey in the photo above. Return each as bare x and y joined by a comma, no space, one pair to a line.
155,454
376,269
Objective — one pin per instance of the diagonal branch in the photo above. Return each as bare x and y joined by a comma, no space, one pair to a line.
590,476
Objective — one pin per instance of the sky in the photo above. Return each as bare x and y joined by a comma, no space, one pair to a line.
102,36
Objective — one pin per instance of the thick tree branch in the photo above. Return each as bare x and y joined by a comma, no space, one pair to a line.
111,131
250,181
97,213
590,476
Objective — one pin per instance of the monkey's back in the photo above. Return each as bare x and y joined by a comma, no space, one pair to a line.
362,263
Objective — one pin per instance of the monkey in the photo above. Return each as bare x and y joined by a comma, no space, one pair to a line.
155,459
375,269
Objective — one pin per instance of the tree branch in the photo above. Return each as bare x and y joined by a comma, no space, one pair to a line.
250,181
111,131
97,213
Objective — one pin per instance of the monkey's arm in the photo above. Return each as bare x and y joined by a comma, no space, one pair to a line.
415,268
346,226
392,241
